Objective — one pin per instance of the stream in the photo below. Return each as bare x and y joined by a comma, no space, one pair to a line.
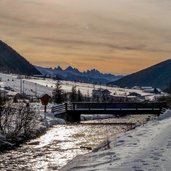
62,143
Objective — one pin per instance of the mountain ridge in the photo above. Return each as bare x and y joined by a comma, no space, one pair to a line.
73,74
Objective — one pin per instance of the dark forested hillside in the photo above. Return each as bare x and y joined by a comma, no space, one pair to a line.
158,75
12,62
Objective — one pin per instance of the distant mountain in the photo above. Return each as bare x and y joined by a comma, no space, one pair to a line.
158,75
73,74
12,62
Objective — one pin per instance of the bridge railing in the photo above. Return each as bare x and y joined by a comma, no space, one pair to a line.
59,108
110,106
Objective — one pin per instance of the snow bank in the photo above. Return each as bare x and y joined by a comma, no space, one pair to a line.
52,120
165,115
93,117
147,147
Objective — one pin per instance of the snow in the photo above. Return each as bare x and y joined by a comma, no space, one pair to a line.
25,85
147,147
166,115
50,119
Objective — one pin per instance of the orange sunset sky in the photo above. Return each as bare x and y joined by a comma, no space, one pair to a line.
117,36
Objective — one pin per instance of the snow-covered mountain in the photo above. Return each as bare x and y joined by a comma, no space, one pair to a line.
73,74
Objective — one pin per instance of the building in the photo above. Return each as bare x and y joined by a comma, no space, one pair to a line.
101,95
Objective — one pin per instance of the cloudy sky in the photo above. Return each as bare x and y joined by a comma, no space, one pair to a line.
117,36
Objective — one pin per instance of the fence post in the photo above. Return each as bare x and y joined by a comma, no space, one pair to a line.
105,106
161,106
89,106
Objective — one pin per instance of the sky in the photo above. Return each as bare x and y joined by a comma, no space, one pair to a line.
114,36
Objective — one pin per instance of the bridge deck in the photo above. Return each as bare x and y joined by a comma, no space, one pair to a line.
114,111
74,110
114,107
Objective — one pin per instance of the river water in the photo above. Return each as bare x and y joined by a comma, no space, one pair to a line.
62,143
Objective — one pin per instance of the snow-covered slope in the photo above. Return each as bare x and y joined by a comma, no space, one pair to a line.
148,147
38,86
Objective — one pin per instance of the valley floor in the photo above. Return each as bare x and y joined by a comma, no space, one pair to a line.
147,147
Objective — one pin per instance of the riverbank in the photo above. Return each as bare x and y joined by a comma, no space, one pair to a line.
147,147
42,125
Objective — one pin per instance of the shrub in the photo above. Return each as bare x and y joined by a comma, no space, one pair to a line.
17,121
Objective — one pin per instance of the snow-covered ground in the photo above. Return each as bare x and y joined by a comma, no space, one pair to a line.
39,86
21,85
48,118
147,147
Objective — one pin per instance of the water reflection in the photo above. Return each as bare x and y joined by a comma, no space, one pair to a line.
62,143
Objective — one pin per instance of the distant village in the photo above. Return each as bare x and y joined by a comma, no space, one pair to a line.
99,93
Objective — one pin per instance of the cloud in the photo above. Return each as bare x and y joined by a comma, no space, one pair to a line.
130,33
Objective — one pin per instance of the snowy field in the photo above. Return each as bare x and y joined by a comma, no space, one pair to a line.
21,85
38,86
146,148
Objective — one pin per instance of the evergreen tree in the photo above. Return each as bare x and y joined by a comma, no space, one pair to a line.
73,95
80,97
58,95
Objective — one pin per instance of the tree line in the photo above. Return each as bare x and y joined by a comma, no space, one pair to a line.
60,96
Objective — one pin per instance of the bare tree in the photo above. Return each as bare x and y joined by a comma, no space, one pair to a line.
17,121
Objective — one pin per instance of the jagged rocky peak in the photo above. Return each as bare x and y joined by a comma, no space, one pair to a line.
89,76
70,68
93,71
58,68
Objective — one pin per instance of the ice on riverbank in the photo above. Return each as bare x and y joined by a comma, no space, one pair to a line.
147,147
52,120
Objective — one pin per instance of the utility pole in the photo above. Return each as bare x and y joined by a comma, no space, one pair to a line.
21,86
35,89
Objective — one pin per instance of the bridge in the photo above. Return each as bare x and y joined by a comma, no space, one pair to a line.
73,111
